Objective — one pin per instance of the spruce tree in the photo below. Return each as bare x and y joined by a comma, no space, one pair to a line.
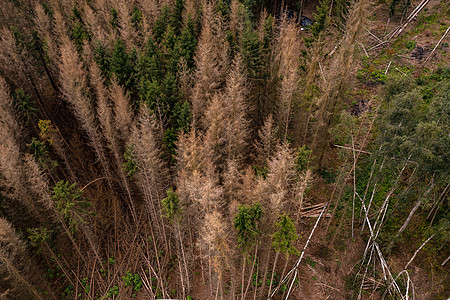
123,65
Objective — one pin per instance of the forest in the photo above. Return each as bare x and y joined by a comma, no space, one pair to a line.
224,149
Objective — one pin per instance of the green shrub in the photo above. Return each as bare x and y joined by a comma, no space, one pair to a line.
114,291
85,284
379,76
41,154
23,102
69,203
260,171
411,45
111,261
133,280
39,235
68,292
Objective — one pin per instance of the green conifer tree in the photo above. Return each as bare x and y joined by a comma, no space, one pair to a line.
246,223
102,56
187,43
283,240
123,65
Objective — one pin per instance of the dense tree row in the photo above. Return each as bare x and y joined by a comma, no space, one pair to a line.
167,147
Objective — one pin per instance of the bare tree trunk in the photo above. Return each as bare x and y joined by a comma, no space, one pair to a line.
354,183
282,8
201,266
163,291
445,261
273,271
243,275
251,273
217,290
411,214
183,257
181,273
265,270
210,270
274,7
417,251
285,266
294,271
437,205
256,283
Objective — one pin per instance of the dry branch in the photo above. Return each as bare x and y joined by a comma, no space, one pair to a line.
411,17
437,45
445,261
417,251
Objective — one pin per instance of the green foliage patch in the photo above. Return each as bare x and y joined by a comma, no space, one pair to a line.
133,280
69,203
246,223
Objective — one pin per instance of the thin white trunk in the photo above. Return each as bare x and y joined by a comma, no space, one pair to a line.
265,271
243,275
284,271
285,266
365,273
273,272
354,185
183,256
437,45
182,278
294,270
251,272
411,214
417,251
217,290
256,284
210,270
445,261
201,266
